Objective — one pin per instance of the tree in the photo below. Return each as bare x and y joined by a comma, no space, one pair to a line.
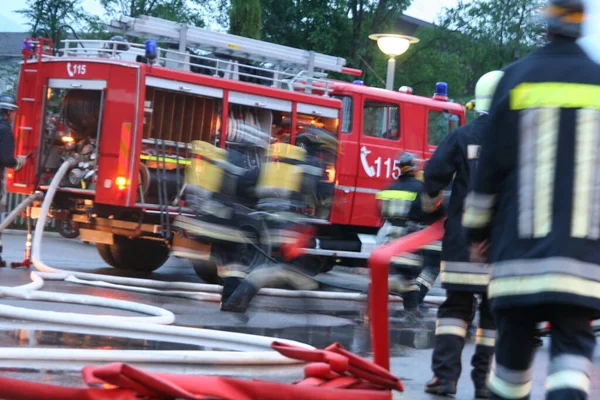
192,12
10,74
335,27
53,18
245,19
432,60
471,39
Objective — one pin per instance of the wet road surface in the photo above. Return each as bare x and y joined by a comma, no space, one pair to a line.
314,321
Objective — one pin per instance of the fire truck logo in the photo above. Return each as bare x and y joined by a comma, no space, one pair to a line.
369,170
76,69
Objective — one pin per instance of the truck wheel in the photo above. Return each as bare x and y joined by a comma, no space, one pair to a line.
106,254
327,265
67,229
140,255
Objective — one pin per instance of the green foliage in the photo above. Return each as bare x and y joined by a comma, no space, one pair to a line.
10,74
335,27
245,18
471,39
192,12
53,19
432,60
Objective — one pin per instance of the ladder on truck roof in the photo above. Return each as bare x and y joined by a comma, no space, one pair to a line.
287,62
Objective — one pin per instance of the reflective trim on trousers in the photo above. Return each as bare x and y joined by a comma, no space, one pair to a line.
434,246
574,380
408,259
509,383
485,337
465,279
569,371
399,284
425,282
451,326
466,267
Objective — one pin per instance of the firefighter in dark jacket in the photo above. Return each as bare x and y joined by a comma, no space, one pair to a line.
456,158
401,207
536,202
8,110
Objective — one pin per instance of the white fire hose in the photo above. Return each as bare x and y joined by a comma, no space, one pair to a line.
246,349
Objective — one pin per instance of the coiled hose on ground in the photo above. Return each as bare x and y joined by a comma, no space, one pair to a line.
245,349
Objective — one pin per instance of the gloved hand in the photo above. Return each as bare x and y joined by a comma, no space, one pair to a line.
431,204
479,252
21,161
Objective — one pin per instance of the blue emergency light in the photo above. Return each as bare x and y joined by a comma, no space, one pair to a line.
27,44
441,91
151,50
359,82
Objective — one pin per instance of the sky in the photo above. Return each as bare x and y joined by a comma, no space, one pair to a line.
427,10
10,21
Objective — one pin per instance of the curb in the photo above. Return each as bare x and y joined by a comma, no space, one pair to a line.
352,270
24,232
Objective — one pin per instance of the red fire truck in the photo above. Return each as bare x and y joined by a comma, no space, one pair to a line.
130,111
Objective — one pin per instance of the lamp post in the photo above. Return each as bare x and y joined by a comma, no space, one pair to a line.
392,45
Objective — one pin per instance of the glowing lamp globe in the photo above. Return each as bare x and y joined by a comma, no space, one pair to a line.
393,45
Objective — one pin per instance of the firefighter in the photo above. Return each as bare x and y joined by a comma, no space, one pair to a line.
288,176
401,207
8,111
535,206
455,160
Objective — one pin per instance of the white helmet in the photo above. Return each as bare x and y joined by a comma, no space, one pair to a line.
485,89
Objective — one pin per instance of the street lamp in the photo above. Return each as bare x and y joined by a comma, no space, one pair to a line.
392,45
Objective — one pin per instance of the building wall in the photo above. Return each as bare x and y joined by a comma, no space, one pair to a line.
10,56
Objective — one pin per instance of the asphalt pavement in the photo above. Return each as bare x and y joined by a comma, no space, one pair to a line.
314,321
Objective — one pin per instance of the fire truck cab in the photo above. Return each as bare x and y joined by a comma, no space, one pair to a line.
129,114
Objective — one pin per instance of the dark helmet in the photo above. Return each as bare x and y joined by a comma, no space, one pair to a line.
8,102
564,17
120,47
408,162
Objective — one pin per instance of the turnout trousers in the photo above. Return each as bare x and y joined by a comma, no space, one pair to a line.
431,269
571,351
454,317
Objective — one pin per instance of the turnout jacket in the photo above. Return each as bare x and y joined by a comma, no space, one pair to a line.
402,202
401,206
537,190
455,160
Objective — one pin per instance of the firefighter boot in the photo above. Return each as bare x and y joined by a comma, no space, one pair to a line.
240,299
482,393
423,290
2,262
229,286
411,304
441,387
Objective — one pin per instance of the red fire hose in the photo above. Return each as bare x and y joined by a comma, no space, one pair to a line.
378,289
334,373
